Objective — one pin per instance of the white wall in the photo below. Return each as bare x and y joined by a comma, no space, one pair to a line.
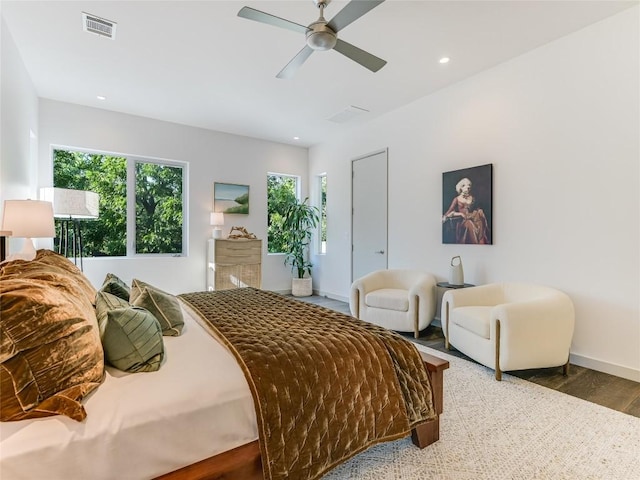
19,115
561,127
212,157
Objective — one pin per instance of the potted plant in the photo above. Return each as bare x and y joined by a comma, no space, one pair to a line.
300,220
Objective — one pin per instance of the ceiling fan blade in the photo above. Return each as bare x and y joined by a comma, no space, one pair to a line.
295,63
351,12
258,16
365,59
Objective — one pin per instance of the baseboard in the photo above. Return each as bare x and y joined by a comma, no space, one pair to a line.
282,292
332,296
605,367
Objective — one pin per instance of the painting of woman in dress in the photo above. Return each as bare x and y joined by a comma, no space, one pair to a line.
466,205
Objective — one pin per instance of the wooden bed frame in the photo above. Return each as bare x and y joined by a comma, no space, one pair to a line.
243,462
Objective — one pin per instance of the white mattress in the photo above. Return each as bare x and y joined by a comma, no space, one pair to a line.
141,425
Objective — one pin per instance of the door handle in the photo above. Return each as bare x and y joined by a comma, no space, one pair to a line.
381,252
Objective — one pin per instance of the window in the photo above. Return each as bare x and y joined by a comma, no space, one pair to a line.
140,199
322,226
281,190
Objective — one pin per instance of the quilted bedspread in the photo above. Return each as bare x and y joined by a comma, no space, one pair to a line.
326,386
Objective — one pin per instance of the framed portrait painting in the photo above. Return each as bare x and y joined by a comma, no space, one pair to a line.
230,198
467,205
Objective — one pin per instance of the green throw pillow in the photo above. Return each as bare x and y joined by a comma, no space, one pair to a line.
164,306
112,284
137,286
104,303
132,340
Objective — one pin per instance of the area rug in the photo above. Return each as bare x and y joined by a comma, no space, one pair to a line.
511,430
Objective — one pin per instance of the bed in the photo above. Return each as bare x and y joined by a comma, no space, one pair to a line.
194,417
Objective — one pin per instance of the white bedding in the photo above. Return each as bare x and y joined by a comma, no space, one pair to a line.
141,425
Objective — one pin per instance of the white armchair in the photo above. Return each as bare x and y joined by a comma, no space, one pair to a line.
401,300
510,326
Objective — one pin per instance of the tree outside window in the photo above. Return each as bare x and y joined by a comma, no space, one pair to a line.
282,190
158,197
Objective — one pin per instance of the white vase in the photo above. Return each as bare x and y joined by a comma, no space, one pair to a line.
301,287
456,275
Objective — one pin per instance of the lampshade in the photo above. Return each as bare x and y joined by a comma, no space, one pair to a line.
217,219
69,203
28,218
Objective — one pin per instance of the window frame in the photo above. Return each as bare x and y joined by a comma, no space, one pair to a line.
131,161
323,214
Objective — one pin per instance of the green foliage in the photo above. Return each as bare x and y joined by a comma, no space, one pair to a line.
300,220
158,200
107,176
281,192
243,199
158,208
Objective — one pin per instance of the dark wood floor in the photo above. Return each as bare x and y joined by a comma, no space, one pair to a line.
597,387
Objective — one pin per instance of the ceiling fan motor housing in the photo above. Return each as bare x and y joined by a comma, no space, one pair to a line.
320,36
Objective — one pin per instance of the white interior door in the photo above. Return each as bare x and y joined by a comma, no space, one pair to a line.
369,214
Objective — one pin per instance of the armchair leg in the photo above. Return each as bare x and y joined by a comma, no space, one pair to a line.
416,322
565,369
498,371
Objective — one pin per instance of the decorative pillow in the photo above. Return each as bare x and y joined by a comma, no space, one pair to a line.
52,268
50,257
104,303
50,353
112,284
164,306
132,340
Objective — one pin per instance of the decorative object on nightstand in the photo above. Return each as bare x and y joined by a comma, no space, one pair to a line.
28,219
456,274
234,263
241,233
71,206
217,221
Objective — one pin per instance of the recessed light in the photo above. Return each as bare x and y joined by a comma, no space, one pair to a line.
296,138
444,60
101,97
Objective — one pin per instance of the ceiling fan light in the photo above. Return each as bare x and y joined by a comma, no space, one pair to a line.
321,40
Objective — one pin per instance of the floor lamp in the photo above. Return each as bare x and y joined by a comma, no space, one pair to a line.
28,219
69,207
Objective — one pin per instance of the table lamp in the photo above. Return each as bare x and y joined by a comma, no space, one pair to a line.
28,219
217,221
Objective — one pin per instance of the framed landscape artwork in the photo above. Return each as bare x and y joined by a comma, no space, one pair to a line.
467,205
230,198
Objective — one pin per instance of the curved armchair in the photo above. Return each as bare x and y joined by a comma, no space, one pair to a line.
510,326
402,300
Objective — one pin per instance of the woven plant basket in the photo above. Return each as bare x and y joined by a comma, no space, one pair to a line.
301,287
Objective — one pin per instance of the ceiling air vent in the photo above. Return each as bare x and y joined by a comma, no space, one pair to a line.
348,114
99,26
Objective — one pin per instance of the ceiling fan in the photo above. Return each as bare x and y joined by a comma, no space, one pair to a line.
322,35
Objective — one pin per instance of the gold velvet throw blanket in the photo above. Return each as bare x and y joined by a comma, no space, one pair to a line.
326,386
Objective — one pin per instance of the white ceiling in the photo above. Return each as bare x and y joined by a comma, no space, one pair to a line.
198,63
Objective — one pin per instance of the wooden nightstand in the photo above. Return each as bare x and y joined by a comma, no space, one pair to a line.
234,263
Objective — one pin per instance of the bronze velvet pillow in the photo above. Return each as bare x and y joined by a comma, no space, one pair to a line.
112,284
50,352
55,270
164,306
131,336
50,257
